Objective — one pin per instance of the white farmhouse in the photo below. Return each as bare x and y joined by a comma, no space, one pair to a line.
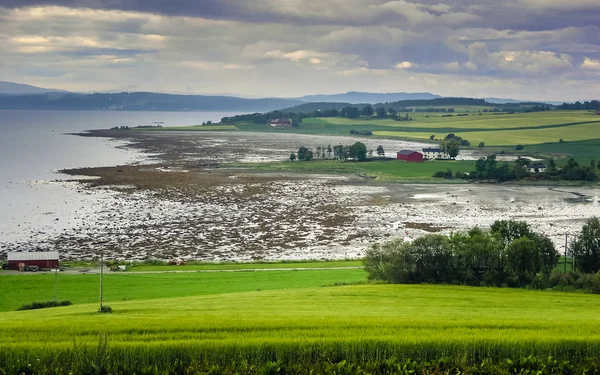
536,168
432,153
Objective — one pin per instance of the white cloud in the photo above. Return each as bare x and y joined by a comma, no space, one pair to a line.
405,65
590,64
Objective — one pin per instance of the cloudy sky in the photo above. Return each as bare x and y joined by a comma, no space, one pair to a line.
524,49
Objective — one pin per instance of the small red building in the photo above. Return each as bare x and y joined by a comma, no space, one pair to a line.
598,112
44,260
281,123
409,155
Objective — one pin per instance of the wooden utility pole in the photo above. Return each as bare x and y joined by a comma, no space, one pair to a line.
101,273
566,244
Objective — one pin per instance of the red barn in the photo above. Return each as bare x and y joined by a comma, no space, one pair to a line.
409,155
44,260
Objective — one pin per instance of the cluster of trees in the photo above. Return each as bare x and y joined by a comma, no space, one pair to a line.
357,151
593,105
490,169
510,254
263,118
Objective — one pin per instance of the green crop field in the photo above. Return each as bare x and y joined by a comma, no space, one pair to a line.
392,170
23,289
363,323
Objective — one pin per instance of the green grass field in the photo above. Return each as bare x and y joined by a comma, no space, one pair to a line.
357,323
392,170
23,289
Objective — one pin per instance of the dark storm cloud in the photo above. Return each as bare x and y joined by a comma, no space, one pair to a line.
505,45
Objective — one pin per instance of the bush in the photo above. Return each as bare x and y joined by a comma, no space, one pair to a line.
43,305
105,309
481,144
519,147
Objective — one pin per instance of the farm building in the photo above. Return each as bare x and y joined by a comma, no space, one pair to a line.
536,168
598,112
432,153
409,155
44,260
281,123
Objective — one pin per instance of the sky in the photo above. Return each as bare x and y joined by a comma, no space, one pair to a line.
522,49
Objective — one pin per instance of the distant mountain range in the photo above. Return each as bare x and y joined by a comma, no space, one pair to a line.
27,97
356,97
13,88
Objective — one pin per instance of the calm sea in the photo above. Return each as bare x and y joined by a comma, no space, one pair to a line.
33,146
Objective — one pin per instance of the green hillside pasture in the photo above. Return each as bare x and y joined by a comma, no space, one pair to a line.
578,132
307,326
532,136
584,151
23,289
392,170
472,122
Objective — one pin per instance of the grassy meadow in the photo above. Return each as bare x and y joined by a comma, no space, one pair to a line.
362,323
386,171
123,286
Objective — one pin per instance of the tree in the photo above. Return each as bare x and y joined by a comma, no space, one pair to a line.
308,155
292,156
586,249
350,112
519,147
358,151
329,151
380,150
481,145
392,112
432,137
451,146
302,153
370,153
381,112
510,230
367,110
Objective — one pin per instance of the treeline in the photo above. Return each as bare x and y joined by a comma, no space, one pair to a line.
263,118
357,151
511,254
489,169
593,105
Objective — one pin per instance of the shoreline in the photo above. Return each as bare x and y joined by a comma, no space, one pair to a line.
184,202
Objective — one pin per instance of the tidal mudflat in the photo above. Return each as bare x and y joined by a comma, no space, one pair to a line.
189,203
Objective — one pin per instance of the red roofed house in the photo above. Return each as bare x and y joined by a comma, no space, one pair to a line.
409,155
43,260
598,112
281,123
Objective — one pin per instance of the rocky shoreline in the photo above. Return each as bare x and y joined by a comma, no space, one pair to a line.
185,203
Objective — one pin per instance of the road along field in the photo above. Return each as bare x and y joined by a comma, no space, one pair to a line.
361,324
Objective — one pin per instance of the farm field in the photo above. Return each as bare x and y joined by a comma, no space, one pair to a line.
393,170
303,326
484,122
25,288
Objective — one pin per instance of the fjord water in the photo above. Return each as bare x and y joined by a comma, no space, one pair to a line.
34,145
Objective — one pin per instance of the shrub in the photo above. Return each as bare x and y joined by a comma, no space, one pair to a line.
105,309
43,305
481,144
519,147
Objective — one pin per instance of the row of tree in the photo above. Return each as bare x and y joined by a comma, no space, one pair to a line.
357,151
489,169
510,254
